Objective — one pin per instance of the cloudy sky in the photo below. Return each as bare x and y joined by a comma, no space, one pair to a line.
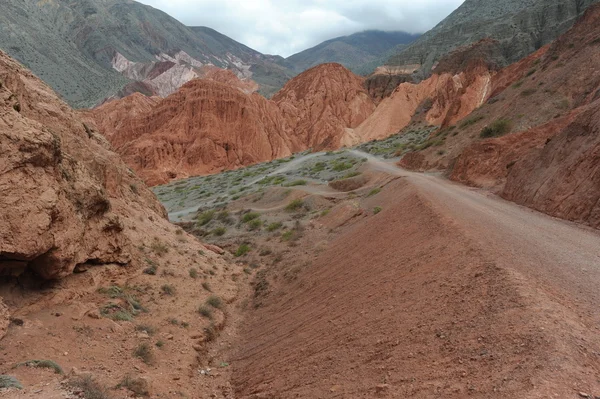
286,27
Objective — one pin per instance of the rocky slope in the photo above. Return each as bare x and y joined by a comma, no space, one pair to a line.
321,105
89,50
72,212
520,26
352,51
549,101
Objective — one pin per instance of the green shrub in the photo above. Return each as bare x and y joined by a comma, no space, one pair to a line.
205,311
205,217
89,388
219,231
341,166
144,352
215,302
250,216
497,128
296,183
351,174
255,224
193,273
373,192
42,364
295,205
138,386
376,210
242,250
168,289
274,226
7,381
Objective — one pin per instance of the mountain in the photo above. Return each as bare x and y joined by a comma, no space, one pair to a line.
214,124
89,50
520,26
352,51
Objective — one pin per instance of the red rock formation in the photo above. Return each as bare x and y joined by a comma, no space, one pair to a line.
322,104
66,199
204,127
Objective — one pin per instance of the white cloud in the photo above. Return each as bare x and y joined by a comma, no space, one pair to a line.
286,27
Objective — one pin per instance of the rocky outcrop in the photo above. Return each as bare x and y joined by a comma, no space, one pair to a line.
382,85
66,199
4,319
204,127
521,27
322,104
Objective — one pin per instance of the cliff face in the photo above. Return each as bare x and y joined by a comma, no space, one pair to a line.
322,104
521,27
204,127
66,199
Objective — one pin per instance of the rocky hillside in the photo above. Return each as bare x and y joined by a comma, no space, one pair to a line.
89,50
520,26
87,253
213,124
353,51
535,139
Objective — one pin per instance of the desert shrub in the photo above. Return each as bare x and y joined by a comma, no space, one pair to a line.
254,224
295,205
219,231
205,311
351,174
193,273
144,352
205,217
287,236
527,92
341,166
376,210
274,226
42,364
7,381
152,267
215,302
168,289
89,388
242,250
211,333
138,386
497,128
373,192
250,216
150,330
159,248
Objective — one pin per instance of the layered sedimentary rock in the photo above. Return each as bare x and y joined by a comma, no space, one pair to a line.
323,104
66,198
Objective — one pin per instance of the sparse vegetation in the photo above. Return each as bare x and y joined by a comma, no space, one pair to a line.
242,250
373,192
7,381
150,330
159,248
498,128
205,311
193,273
168,289
211,333
376,210
137,385
215,302
206,286
295,205
152,267
470,121
274,226
205,218
219,231
89,388
42,364
144,352
250,216
296,183
528,92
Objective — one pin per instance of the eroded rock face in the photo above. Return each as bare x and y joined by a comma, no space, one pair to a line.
65,196
4,319
322,104
204,127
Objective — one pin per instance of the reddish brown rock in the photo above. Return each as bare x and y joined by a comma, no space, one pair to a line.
4,319
323,104
66,198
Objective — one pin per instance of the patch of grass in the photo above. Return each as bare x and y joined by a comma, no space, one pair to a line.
42,364
206,286
206,311
7,381
287,236
205,218
144,352
497,128
159,248
325,212
219,231
89,388
138,385
250,216
255,224
376,210
215,302
319,167
471,121
160,343
242,250
168,289
193,273
296,183
341,166
295,205
152,267
373,192
351,174
274,226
